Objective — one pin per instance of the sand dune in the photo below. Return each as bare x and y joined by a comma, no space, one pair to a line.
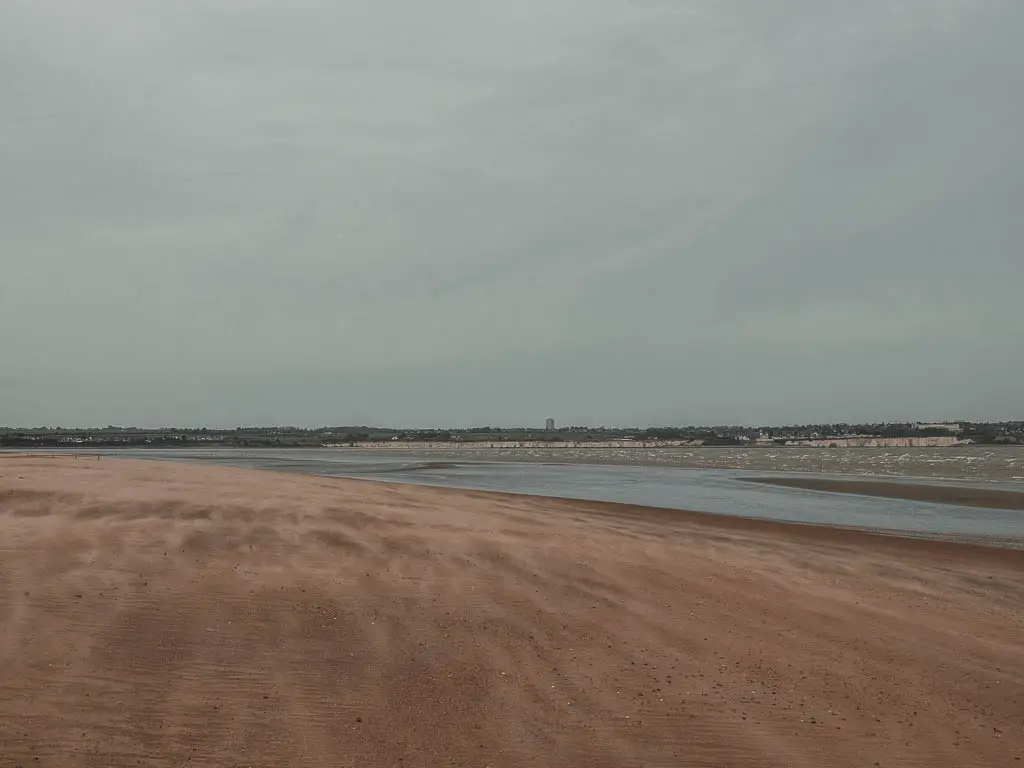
171,615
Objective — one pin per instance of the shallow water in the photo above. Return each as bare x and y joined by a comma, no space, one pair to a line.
977,463
718,491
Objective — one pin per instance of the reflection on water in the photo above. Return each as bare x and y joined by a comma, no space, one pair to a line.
718,491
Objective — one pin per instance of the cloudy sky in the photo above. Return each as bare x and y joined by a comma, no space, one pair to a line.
460,212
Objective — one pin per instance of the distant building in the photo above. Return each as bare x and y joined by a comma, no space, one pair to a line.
549,425
956,429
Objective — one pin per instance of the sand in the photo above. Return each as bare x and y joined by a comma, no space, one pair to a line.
160,614
946,493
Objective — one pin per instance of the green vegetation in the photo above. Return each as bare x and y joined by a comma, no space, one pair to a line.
296,437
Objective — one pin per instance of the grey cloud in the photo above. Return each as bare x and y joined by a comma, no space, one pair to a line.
606,211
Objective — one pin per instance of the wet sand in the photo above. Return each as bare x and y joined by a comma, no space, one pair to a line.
967,496
167,615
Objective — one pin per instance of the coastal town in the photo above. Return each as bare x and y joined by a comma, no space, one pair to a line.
880,435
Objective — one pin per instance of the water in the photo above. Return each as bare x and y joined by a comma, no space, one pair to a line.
717,491
976,463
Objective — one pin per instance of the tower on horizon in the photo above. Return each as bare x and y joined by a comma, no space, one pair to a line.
549,425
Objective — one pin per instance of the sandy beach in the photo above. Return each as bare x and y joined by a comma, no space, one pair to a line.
160,614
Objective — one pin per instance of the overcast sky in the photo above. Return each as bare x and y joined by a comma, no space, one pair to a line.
462,213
